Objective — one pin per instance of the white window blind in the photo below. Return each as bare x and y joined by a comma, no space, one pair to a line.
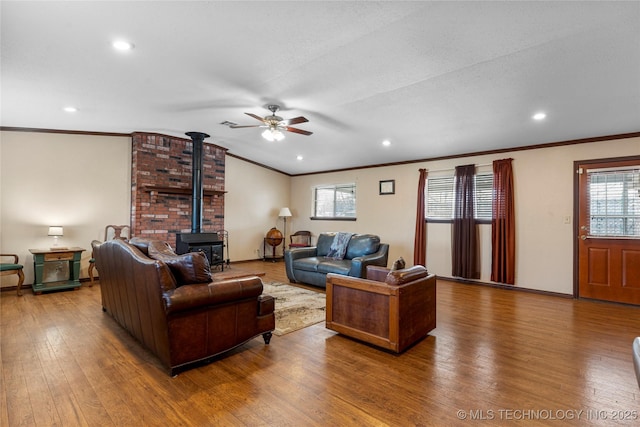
614,202
439,199
483,196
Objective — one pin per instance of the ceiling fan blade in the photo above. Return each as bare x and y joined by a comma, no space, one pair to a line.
255,117
300,131
249,126
295,121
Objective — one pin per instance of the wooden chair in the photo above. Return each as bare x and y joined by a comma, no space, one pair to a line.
111,232
389,310
636,358
10,268
300,239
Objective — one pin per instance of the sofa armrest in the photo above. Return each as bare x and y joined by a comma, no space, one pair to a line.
266,305
360,284
359,264
293,254
297,253
200,295
377,273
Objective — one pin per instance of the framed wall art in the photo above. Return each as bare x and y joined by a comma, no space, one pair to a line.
388,186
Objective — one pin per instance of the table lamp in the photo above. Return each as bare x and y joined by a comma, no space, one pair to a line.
56,232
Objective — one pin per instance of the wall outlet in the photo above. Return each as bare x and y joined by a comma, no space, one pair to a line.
567,219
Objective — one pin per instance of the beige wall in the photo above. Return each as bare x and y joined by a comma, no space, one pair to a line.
83,183
78,181
252,203
544,198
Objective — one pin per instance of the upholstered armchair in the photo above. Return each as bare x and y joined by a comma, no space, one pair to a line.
300,239
119,232
92,260
389,309
12,267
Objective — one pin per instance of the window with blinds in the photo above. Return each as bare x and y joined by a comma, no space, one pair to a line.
614,202
334,201
440,197
483,206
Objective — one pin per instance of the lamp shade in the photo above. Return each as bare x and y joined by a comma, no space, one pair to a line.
273,134
285,212
277,135
55,231
268,135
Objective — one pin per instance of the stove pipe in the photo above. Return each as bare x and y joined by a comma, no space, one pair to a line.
196,180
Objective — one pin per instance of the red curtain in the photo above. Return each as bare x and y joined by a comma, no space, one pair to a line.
420,241
465,250
503,224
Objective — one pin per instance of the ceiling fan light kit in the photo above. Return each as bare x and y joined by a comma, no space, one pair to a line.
272,134
275,124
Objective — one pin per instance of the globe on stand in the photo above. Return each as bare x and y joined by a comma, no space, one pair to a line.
274,238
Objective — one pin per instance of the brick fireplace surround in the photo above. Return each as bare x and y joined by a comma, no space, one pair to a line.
161,186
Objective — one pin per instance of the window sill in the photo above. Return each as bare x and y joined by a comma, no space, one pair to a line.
332,218
450,221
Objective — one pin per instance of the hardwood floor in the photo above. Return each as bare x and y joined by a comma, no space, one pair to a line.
501,357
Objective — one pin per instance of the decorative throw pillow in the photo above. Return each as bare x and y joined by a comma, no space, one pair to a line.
155,248
398,264
189,268
339,245
400,277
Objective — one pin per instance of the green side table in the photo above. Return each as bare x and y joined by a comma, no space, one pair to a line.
56,269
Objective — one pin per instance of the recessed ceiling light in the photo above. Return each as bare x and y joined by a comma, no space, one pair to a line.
539,116
299,157
386,143
70,109
122,45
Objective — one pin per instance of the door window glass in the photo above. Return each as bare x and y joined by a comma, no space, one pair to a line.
614,202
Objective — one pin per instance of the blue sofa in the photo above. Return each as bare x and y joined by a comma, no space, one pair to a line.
311,265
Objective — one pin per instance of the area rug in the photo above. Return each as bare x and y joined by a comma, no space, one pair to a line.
296,308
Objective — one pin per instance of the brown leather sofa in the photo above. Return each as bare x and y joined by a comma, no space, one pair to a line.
171,305
389,309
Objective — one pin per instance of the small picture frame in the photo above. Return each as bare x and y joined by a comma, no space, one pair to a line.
388,186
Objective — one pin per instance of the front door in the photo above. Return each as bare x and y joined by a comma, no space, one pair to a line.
609,230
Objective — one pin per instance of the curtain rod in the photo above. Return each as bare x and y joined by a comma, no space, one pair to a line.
452,169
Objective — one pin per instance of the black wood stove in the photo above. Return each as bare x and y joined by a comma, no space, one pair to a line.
209,243
212,244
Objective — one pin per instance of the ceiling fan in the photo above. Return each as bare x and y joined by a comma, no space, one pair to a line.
276,124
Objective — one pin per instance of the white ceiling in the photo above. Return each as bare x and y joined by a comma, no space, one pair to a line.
435,78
